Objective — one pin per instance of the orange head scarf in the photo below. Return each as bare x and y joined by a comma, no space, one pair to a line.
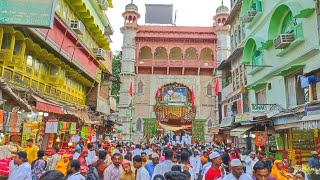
276,173
62,166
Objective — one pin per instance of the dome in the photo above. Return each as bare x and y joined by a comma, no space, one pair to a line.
131,7
222,9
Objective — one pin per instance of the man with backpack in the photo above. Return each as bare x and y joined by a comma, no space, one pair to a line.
97,168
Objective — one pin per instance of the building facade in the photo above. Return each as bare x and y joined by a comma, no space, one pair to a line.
281,53
168,77
63,71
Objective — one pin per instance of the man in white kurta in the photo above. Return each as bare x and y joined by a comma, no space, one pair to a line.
141,172
195,162
23,171
164,166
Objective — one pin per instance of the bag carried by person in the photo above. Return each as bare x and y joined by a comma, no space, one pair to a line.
93,173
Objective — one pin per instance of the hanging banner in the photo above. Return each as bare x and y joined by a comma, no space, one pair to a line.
51,127
31,13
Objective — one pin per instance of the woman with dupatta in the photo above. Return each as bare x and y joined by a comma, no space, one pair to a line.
278,171
83,163
63,164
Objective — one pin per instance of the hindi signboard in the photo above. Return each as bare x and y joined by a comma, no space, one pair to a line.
31,13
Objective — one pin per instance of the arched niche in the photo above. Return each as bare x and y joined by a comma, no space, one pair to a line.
206,54
175,54
145,53
161,53
191,54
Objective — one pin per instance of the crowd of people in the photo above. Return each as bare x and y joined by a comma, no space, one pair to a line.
126,161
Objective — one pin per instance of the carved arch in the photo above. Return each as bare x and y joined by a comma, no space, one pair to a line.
206,54
191,54
145,53
176,53
161,53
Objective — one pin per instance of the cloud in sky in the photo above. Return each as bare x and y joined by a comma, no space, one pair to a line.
189,13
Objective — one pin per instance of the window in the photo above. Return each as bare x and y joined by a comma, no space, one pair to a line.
62,73
288,24
17,47
261,96
29,60
140,87
65,11
6,41
209,89
58,6
36,64
209,123
139,122
54,70
295,94
43,68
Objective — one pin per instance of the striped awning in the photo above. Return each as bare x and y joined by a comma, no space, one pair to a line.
310,122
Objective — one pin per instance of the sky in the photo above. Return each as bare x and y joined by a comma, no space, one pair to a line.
189,13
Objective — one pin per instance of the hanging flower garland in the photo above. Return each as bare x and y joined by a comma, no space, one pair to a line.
261,138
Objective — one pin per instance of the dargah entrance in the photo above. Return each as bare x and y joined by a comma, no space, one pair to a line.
175,112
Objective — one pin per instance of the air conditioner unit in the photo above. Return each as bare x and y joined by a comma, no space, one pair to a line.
249,15
77,26
103,4
100,53
283,41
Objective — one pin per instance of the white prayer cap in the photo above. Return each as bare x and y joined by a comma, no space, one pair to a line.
155,155
235,162
116,151
253,153
214,155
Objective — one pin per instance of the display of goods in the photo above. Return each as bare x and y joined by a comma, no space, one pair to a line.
4,167
307,169
5,151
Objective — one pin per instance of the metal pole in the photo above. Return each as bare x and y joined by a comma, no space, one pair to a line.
131,117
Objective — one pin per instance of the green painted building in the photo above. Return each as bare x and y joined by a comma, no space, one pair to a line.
282,45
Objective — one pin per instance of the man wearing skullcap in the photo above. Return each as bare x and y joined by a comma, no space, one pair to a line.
237,171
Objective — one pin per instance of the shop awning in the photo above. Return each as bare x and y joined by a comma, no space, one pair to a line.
21,102
310,122
48,105
240,130
227,122
287,126
82,114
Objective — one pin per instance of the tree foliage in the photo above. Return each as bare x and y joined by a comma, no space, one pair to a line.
116,69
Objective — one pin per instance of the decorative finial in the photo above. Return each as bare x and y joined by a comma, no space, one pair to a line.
131,1
222,2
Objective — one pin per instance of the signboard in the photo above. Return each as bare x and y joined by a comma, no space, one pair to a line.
242,117
32,13
263,108
178,95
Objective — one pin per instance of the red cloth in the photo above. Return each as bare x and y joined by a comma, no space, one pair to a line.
130,89
192,98
217,87
213,174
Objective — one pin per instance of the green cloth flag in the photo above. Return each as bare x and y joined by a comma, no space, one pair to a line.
73,128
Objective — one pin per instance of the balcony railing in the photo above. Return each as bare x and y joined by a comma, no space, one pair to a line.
176,63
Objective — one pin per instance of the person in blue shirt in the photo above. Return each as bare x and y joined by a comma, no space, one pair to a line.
314,161
151,165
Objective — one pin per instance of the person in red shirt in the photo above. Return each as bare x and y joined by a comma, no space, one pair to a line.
216,171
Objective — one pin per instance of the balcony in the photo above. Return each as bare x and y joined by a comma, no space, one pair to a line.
176,63
226,91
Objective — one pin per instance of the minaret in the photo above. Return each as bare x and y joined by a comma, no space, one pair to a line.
222,31
127,75
223,47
